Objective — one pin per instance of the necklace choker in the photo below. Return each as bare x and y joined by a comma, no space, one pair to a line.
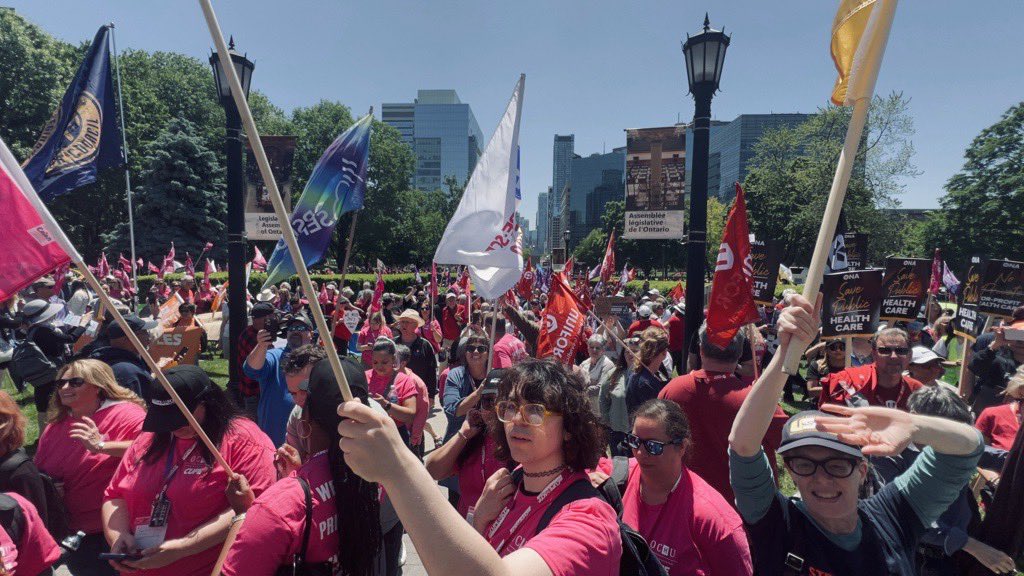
554,470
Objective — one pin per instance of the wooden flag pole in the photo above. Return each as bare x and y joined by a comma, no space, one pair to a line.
6,158
848,343
228,68
494,325
348,248
840,181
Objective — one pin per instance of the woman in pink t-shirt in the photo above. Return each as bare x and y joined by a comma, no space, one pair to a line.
546,425
431,328
35,551
374,329
166,500
397,392
688,524
346,529
469,454
92,422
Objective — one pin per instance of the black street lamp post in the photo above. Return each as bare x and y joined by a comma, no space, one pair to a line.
236,205
704,55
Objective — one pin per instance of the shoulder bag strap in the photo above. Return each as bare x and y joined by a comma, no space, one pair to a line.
309,518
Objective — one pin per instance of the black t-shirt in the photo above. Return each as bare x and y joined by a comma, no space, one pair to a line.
890,530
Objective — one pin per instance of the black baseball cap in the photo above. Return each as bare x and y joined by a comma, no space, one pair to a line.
301,319
191,384
114,331
490,385
801,430
324,394
261,309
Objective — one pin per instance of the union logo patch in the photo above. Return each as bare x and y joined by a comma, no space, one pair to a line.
80,142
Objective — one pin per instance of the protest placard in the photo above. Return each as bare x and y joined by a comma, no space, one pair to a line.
851,303
966,323
1002,288
764,259
173,340
856,250
619,306
904,288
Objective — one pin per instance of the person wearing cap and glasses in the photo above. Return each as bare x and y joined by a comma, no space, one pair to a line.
881,383
470,454
247,394
130,370
167,498
265,365
830,528
926,367
834,360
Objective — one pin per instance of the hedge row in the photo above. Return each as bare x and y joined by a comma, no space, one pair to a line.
397,283
665,286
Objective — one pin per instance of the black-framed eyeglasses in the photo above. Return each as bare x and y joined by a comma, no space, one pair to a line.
834,467
76,382
889,350
486,402
479,348
653,447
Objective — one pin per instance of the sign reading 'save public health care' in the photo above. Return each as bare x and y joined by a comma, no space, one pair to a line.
966,323
904,288
764,259
851,303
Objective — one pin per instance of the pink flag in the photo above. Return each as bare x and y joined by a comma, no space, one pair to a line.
28,248
378,293
152,268
259,263
102,267
207,287
190,266
59,275
124,263
140,264
933,286
168,265
208,247
323,297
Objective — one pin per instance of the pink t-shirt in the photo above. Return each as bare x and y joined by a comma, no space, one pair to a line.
86,475
427,331
368,336
581,540
404,387
196,491
37,550
442,380
694,532
474,472
272,530
509,350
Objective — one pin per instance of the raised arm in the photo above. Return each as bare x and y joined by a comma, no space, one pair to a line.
799,320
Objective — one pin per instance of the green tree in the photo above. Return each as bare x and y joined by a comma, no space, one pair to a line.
983,207
180,198
792,171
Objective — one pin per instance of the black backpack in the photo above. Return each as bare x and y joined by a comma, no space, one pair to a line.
637,557
12,518
29,364
55,514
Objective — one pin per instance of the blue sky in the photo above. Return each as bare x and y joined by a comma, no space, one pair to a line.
592,68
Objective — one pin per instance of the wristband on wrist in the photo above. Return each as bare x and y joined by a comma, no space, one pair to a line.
237,518
100,446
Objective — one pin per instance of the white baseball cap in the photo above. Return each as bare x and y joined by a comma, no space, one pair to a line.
923,355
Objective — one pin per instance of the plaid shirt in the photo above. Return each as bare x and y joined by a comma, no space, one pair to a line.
246,343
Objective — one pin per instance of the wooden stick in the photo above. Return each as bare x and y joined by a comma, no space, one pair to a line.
965,380
849,350
348,248
494,325
228,67
840,181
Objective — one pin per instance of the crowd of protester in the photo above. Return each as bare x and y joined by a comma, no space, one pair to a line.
647,451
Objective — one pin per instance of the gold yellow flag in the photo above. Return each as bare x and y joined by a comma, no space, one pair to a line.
848,29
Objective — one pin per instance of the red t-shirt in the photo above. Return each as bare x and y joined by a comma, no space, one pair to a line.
695,531
474,472
427,331
837,387
37,550
581,540
641,325
450,322
676,333
368,336
272,530
711,401
509,350
341,330
196,491
86,475
406,385
999,424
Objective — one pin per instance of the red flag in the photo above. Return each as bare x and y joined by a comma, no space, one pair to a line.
464,281
562,324
124,263
608,264
168,264
732,290
28,249
139,264
323,297
378,293
583,296
933,287
59,275
433,283
525,285
677,292
102,267
207,287
259,263
568,268
190,266
152,268
125,280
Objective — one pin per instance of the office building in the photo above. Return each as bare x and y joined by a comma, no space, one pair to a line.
543,222
732,148
594,181
561,168
443,134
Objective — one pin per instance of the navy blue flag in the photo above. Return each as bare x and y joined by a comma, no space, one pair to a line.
82,136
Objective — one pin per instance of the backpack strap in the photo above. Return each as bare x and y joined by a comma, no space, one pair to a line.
578,490
12,518
793,563
10,464
309,519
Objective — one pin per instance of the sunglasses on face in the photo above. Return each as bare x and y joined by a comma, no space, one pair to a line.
478,349
889,350
298,328
533,414
833,346
75,382
653,447
486,403
834,467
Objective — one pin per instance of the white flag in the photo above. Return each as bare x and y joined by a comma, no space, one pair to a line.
482,233
492,283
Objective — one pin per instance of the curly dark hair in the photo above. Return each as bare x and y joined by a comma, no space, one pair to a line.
297,360
552,384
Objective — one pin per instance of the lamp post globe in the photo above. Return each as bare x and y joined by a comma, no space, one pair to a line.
704,55
233,141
